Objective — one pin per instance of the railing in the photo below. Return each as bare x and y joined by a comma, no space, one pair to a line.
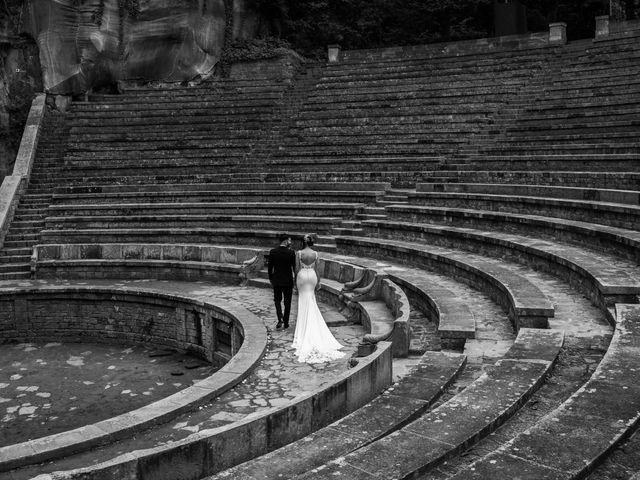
13,185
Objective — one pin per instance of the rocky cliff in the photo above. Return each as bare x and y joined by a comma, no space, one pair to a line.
88,43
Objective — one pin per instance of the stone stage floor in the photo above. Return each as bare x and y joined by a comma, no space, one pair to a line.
53,387
83,383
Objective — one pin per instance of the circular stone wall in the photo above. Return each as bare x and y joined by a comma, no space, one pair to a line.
225,334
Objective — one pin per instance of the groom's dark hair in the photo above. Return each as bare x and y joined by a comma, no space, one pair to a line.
283,236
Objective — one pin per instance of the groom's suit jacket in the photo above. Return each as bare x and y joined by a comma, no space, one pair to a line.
282,266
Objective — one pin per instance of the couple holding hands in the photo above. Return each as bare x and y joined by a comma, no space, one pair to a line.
312,339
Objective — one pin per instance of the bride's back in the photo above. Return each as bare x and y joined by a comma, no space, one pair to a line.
308,256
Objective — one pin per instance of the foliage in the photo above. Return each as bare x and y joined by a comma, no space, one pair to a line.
21,94
256,49
579,15
310,25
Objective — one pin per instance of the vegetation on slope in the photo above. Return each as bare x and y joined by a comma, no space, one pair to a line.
310,25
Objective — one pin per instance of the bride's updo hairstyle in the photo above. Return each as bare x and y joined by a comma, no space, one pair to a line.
307,241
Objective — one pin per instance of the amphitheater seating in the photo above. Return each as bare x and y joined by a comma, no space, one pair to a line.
620,241
577,117
526,304
598,212
563,444
162,261
508,170
397,406
454,425
589,272
400,113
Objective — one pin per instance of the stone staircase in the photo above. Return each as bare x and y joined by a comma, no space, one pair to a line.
30,215
497,188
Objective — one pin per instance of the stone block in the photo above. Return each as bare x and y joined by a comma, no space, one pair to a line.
558,33
152,252
172,252
602,26
333,53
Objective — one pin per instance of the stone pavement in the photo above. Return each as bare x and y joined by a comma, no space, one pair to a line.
277,380
53,387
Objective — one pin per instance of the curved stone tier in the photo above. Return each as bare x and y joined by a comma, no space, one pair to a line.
462,196
222,332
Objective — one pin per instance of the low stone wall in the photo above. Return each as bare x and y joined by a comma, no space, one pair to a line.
224,333
162,261
212,451
112,316
381,288
508,42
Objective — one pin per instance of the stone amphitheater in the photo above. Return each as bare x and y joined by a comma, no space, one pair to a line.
477,206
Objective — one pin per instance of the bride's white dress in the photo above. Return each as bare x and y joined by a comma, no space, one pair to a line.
312,339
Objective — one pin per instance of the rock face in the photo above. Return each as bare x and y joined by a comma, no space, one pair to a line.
89,43
20,78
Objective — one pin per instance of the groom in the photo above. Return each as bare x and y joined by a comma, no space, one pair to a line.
282,268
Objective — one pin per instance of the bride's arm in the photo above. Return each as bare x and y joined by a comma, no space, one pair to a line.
315,267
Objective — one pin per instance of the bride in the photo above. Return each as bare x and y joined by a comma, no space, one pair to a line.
312,339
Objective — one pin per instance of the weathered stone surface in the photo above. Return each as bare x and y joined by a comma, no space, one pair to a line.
98,42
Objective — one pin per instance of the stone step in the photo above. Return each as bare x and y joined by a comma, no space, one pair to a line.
18,244
15,252
527,305
347,231
96,191
11,275
575,178
371,216
597,212
609,398
624,242
198,210
271,222
144,178
407,399
588,269
453,426
8,268
15,259
631,197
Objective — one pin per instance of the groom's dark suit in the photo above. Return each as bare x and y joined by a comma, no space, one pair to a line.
282,268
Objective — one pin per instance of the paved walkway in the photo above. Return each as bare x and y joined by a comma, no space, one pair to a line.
277,380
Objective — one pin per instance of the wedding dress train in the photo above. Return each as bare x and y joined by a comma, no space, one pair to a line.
312,339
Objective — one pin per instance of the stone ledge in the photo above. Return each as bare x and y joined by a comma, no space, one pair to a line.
631,197
102,190
402,403
527,305
591,275
12,186
622,241
214,450
453,426
610,401
452,49
599,212
456,321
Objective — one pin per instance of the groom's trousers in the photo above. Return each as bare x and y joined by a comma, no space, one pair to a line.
280,292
